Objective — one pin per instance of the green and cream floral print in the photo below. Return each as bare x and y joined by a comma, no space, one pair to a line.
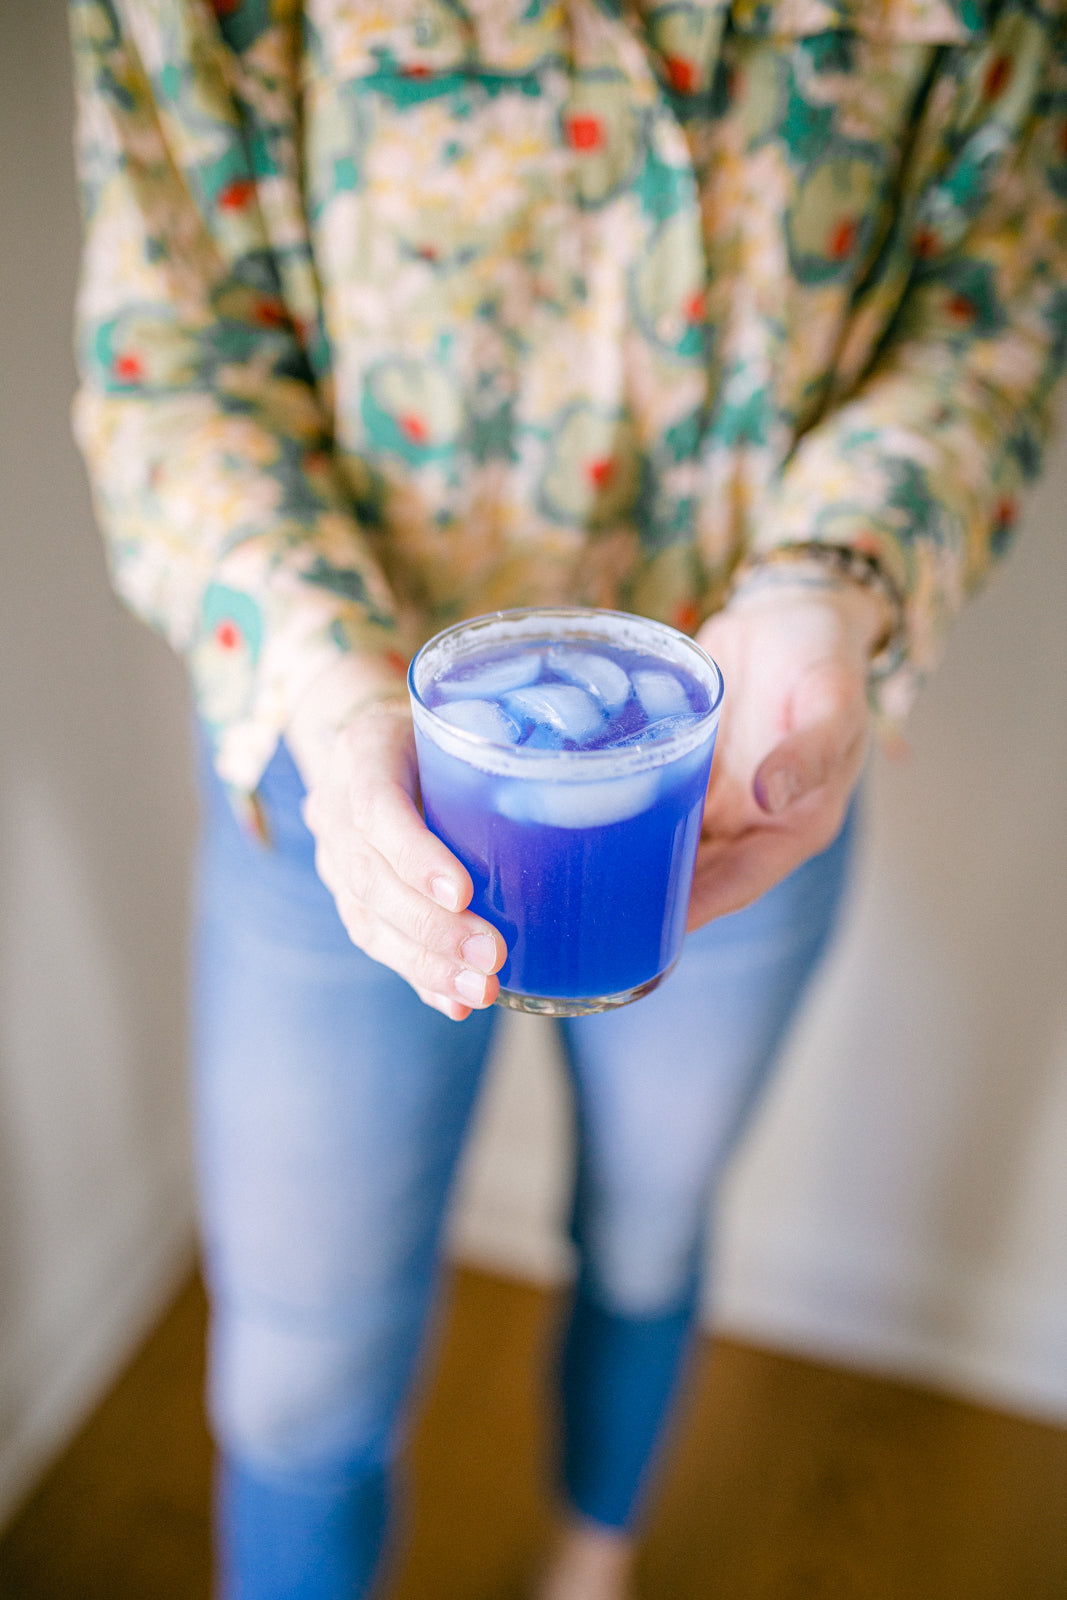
395,311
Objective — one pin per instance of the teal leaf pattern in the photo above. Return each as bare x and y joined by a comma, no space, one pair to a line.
412,311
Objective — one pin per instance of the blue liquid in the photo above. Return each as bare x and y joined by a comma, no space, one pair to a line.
588,882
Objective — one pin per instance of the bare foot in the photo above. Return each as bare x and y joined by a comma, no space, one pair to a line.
589,1562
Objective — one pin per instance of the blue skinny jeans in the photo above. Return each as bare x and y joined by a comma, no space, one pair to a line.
330,1111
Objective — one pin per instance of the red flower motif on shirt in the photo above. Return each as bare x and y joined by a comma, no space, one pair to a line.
997,77
681,74
1005,513
584,132
415,69
686,615
236,194
228,635
601,472
926,243
414,428
695,306
842,239
270,314
961,309
128,366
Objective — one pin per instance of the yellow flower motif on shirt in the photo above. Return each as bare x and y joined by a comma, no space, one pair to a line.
586,301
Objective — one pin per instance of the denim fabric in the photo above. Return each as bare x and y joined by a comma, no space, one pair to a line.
331,1107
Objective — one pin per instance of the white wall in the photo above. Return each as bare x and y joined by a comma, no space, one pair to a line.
902,1201
95,828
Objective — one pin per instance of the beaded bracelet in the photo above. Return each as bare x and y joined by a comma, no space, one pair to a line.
854,566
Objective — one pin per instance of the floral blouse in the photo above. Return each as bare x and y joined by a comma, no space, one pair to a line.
396,311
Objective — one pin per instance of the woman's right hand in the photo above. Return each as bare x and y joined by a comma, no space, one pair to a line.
401,894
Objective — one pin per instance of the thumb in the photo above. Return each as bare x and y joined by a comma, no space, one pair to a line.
806,760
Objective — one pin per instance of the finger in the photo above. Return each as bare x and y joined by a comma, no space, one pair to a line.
428,973
730,877
827,752
452,1009
391,822
734,871
379,799
369,878
452,974
461,940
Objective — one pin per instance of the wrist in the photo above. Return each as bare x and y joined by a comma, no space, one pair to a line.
352,687
850,581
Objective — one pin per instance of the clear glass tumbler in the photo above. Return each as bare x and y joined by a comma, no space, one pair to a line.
564,757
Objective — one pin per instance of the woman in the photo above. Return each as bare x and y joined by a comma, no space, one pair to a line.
741,316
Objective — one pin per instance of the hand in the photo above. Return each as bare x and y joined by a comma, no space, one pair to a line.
793,735
401,894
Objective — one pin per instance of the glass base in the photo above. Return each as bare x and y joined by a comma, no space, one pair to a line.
546,1006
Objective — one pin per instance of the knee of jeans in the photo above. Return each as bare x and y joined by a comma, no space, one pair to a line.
641,1263
290,1400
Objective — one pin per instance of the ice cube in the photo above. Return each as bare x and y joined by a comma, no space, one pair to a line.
543,737
660,694
492,679
559,706
662,728
597,675
483,717
593,804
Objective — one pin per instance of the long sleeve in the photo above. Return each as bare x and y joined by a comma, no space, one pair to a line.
229,527
921,464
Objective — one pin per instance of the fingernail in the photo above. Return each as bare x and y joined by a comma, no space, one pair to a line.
470,986
779,790
479,951
445,893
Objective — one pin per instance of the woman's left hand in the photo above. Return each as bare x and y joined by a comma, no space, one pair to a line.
793,737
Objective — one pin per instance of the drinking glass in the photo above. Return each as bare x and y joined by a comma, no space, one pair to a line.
582,857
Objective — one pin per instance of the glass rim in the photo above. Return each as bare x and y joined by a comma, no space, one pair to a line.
575,765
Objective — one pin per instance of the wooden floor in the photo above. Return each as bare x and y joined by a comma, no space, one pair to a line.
791,1481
